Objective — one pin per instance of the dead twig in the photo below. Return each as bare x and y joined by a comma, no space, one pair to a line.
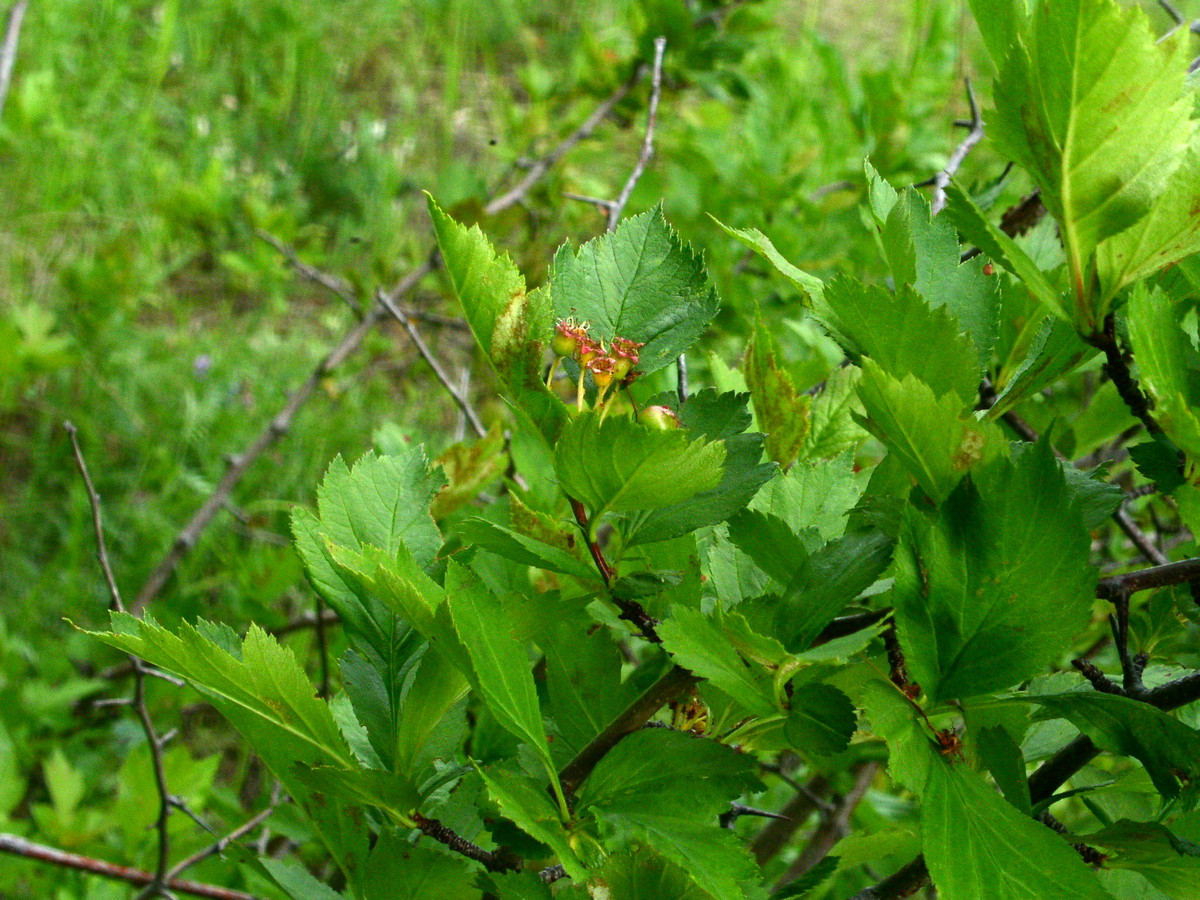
8,50
941,180
618,206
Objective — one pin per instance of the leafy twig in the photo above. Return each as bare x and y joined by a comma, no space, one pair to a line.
8,50
157,885
942,179
499,860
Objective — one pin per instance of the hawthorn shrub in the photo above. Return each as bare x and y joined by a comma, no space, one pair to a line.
911,601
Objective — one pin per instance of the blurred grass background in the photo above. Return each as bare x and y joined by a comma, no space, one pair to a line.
144,143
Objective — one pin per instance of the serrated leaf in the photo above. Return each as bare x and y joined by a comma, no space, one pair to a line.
525,550
972,837
814,496
832,429
1000,23
267,697
399,870
619,466
639,282
893,717
1093,106
808,285
923,252
642,874
903,334
499,664
1055,350
1003,758
470,466
387,791
529,806
297,881
1152,850
698,643
931,436
975,227
513,327
714,417
1162,349
1158,460
583,681
770,542
1169,749
821,720
782,411
991,590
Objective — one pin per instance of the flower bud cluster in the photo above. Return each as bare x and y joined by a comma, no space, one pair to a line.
615,363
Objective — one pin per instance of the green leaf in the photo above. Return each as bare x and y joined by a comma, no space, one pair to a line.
826,582
973,837
529,806
821,720
1158,460
1093,106
525,550
832,429
698,643
1003,758
470,466
1001,23
583,681
990,591
297,882
513,327
808,285
1162,350
521,886
641,874
714,417
1167,861
1055,350
975,226
903,334
619,466
770,542
430,694
924,253
399,870
814,496
499,663
930,434
668,788
893,717
387,791
639,282
1169,749
782,411
267,697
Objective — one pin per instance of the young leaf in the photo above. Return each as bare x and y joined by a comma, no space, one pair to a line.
903,334
620,466
513,327
639,282
1169,749
973,837
499,664
832,429
1093,106
991,590
1162,349
525,550
930,434
782,411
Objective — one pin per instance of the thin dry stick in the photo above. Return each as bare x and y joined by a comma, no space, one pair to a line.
543,165
8,50
157,886
276,428
19,846
463,403
217,847
942,179
618,205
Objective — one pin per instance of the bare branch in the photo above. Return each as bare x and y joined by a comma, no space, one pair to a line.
1146,579
451,388
157,886
18,846
331,283
8,50
498,860
777,834
618,207
219,846
942,179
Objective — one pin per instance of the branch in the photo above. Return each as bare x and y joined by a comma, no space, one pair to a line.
463,403
18,846
8,50
671,685
499,860
218,847
1116,366
777,834
618,205
942,179
1147,579
166,801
